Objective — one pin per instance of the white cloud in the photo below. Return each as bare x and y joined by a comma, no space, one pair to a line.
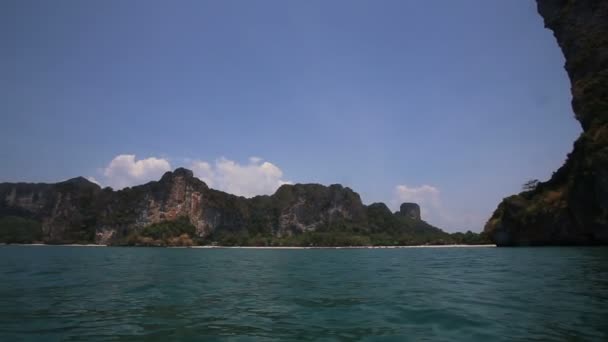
255,160
426,195
204,171
434,211
124,170
93,180
258,177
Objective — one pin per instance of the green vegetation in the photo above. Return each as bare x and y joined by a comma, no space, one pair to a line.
530,185
334,238
168,233
470,238
15,229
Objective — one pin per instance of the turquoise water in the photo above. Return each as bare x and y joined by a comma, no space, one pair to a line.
469,294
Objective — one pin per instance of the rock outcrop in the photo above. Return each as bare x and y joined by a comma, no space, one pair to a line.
572,207
308,207
65,211
411,210
78,211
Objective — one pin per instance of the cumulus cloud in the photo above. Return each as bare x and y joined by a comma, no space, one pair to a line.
260,177
125,170
426,196
204,171
93,180
434,211
255,160
257,177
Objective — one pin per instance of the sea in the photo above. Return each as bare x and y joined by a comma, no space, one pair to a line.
70,293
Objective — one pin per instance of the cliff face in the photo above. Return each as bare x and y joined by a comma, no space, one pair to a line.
309,207
78,211
65,211
411,210
572,207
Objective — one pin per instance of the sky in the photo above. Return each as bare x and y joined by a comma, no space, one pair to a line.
451,104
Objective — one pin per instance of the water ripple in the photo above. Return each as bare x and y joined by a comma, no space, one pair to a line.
130,294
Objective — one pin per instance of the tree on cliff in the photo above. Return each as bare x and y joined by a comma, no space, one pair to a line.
530,185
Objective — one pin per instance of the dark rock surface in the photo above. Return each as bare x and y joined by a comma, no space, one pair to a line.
572,207
411,210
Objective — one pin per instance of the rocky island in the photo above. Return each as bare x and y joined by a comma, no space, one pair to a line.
181,210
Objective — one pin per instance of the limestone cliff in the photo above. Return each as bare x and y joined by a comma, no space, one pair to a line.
65,211
572,207
411,210
78,211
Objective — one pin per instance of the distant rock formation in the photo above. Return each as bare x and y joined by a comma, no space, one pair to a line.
78,211
572,207
411,210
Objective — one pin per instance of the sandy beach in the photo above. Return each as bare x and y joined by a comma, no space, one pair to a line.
341,247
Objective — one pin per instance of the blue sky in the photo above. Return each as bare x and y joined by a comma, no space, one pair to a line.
453,104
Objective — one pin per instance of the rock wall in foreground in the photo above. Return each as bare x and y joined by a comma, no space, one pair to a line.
572,207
